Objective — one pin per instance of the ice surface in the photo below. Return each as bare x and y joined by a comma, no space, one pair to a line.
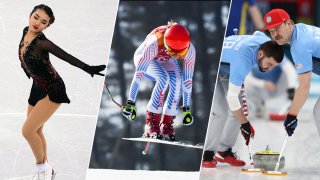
301,151
84,29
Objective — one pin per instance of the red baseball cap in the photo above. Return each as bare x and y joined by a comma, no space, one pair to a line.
274,18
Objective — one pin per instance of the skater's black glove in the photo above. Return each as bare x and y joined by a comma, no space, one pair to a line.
290,123
187,116
247,132
290,92
129,110
94,70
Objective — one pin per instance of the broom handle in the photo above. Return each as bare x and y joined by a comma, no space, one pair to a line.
250,155
245,112
244,101
281,152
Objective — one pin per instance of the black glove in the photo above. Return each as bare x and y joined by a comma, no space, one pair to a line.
290,92
129,110
290,124
247,132
94,70
187,116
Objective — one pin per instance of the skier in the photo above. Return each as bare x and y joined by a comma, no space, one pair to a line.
157,60
240,53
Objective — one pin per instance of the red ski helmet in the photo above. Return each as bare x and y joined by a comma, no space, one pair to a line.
177,40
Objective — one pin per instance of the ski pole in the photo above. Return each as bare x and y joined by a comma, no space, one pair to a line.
111,97
145,151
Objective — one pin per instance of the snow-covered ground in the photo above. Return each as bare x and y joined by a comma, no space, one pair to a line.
84,29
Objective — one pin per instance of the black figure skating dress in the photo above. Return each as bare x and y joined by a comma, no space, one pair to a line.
36,64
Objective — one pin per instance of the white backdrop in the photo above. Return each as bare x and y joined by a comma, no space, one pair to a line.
83,28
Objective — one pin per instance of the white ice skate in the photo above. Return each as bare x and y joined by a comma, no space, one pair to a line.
48,174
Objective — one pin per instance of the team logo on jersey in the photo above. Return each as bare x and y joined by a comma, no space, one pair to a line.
299,66
269,19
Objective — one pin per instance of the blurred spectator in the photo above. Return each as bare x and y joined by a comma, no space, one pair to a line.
238,17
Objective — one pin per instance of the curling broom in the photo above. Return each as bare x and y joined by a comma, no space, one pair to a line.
276,172
245,112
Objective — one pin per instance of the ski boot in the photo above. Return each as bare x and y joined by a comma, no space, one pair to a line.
152,128
167,130
229,157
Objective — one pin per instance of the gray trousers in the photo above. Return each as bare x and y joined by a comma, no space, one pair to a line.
316,114
223,127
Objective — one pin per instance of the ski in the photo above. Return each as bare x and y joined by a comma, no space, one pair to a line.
160,141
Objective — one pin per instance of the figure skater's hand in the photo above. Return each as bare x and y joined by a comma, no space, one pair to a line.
94,70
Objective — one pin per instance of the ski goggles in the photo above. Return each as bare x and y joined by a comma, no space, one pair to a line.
173,52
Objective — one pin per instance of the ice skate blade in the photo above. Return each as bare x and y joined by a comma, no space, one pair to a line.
54,175
251,170
274,173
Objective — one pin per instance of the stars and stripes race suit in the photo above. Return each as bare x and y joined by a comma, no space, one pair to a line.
152,62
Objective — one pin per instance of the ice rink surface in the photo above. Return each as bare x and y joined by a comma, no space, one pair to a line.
82,28
301,152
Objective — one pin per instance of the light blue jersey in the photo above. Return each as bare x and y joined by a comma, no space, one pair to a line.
305,48
241,53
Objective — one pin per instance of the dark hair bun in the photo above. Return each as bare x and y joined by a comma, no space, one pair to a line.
46,9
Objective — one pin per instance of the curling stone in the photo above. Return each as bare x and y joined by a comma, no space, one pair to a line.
267,160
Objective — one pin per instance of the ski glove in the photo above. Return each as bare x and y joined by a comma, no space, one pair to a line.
290,92
290,123
94,70
247,132
129,110
187,116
